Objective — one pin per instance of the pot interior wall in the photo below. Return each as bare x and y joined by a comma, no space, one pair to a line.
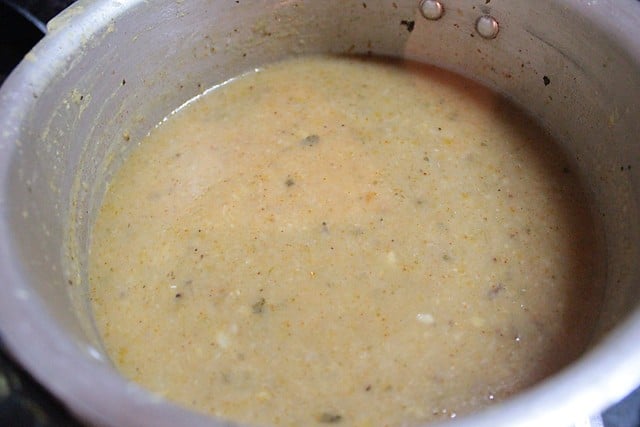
153,56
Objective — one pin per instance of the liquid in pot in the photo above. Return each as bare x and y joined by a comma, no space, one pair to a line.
339,240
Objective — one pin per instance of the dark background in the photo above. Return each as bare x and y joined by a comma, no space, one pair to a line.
23,403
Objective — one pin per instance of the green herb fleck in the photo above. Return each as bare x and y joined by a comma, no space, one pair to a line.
310,140
258,307
329,418
495,290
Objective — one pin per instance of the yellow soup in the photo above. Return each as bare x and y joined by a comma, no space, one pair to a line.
340,240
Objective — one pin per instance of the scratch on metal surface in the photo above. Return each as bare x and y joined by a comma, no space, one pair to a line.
564,54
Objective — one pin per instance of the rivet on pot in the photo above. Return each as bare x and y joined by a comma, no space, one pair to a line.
431,9
487,27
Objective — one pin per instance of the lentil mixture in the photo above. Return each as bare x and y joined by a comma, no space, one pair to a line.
344,241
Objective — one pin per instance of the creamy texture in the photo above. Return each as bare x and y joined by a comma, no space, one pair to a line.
333,240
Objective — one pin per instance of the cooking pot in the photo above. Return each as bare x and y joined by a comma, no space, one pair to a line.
108,71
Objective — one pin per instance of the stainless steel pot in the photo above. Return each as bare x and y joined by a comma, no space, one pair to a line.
109,70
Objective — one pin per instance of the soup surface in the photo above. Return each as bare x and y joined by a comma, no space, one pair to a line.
340,240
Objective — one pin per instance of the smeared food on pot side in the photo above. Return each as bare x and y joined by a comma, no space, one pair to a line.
344,241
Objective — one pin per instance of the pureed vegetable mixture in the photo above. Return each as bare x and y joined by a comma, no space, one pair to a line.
339,240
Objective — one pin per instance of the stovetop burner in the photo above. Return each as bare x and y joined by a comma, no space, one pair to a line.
23,402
